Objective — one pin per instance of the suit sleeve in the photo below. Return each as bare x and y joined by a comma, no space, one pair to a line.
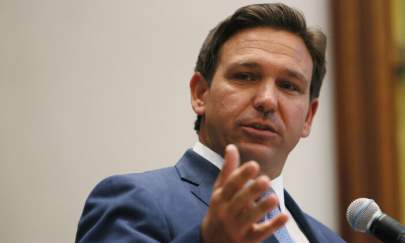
119,211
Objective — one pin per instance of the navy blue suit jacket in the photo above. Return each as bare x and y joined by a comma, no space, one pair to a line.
166,205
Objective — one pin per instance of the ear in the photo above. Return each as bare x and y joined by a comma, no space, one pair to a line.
199,89
313,107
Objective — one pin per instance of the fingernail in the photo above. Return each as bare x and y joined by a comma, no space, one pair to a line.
230,147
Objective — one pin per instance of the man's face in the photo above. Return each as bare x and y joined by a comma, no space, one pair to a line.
258,98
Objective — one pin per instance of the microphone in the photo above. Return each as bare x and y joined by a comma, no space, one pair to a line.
364,215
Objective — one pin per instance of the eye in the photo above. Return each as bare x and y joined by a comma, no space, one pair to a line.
288,85
245,76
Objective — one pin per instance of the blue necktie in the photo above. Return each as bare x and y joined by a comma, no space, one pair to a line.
281,234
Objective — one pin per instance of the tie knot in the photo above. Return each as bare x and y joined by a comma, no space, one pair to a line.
268,193
276,210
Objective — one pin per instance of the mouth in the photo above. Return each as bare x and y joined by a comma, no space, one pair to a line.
260,130
261,127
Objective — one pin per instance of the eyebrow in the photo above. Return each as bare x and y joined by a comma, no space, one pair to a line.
297,75
245,64
288,71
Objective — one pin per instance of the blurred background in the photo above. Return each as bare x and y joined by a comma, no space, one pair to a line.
91,88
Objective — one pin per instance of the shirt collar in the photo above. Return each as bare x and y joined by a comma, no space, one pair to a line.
277,183
209,155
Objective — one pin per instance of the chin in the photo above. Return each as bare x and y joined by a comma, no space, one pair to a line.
271,163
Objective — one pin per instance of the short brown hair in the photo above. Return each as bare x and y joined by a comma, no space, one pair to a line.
276,15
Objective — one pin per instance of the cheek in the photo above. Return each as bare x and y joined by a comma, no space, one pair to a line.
295,117
228,102
230,105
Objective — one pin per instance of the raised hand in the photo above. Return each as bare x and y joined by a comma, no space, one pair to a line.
235,212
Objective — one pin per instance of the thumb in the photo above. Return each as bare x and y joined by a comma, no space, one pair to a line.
231,163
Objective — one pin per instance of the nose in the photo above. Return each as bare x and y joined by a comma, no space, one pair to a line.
265,99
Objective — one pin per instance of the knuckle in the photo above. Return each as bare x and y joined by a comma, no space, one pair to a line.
247,172
263,209
231,187
216,198
257,187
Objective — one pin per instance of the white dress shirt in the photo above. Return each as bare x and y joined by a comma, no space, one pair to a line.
277,184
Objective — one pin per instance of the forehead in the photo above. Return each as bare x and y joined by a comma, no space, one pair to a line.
264,44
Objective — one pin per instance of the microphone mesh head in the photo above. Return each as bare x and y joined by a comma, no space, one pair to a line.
361,212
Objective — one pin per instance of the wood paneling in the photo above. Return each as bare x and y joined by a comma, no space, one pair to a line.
365,107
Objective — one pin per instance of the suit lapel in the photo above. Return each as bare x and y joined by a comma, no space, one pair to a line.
312,234
198,173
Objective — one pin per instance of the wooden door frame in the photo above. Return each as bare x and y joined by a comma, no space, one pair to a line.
365,107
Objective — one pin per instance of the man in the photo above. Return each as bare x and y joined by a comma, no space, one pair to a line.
255,92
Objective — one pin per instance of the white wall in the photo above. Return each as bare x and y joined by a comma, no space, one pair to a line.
94,88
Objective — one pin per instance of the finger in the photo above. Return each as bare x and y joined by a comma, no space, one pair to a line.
259,210
247,196
231,163
238,179
261,231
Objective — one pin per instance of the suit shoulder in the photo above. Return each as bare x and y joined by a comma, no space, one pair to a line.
123,202
124,182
